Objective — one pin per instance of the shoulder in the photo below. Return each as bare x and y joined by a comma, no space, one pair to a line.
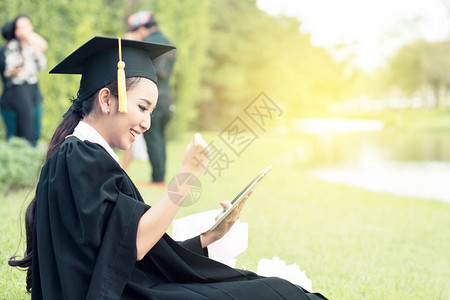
77,164
77,152
12,45
72,144
158,37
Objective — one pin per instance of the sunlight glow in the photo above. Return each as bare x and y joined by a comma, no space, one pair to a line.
371,30
335,125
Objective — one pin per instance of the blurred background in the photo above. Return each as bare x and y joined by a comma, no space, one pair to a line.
362,87
335,94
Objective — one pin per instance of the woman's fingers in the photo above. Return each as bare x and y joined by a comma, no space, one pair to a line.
196,156
225,204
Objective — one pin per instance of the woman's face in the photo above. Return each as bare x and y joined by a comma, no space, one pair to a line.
24,28
123,128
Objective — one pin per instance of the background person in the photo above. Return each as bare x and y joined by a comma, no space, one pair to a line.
24,57
9,117
143,26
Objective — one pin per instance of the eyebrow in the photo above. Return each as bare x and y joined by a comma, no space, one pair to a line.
148,101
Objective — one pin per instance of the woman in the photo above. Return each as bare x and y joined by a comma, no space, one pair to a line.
89,233
24,57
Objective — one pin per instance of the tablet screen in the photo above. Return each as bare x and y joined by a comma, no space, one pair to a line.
242,194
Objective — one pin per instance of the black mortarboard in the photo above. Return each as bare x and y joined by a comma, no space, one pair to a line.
97,62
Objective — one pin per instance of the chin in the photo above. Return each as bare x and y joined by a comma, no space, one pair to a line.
125,146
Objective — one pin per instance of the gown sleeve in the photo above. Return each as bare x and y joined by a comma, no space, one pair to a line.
86,223
194,245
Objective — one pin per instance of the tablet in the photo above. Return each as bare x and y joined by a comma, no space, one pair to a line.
242,194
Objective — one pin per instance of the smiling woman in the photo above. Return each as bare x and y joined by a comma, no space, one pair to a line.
90,235
121,129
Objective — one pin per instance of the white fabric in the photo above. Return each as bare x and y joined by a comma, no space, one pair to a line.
224,250
140,148
277,267
86,132
234,243
26,56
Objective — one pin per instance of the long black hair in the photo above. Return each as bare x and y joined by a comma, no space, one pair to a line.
65,128
6,31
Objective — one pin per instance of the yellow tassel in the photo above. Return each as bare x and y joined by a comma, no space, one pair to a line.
121,84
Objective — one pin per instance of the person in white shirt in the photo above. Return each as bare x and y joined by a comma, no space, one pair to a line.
24,58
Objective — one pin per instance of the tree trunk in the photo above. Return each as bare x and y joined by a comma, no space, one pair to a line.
437,97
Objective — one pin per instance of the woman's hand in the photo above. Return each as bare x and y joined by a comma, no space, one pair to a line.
14,72
196,156
37,42
217,233
154,223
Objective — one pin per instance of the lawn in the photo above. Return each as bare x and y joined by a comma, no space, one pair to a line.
351,243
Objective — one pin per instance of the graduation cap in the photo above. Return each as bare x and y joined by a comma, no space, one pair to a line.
103,60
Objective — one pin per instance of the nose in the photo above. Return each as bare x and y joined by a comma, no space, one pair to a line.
146,123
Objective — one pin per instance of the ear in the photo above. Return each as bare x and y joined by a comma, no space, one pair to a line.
142,33
105,100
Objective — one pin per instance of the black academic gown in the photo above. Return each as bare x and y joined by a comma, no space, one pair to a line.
84,244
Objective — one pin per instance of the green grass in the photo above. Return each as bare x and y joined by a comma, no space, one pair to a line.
353,244
12,210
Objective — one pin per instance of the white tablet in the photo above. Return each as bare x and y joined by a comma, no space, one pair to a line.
239,197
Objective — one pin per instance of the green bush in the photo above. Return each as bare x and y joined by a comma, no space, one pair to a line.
19,164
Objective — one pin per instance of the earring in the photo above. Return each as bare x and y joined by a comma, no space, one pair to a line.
107,110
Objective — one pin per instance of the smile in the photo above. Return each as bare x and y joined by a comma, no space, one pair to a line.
134,133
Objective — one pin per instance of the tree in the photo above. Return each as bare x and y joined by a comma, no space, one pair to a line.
186,24
67,24
251,52
419,65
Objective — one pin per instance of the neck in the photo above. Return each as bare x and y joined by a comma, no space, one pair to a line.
152,29
96,123
99,125
145,32
22,42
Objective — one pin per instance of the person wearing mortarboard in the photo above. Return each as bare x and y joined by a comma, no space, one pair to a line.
90,235
143,26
